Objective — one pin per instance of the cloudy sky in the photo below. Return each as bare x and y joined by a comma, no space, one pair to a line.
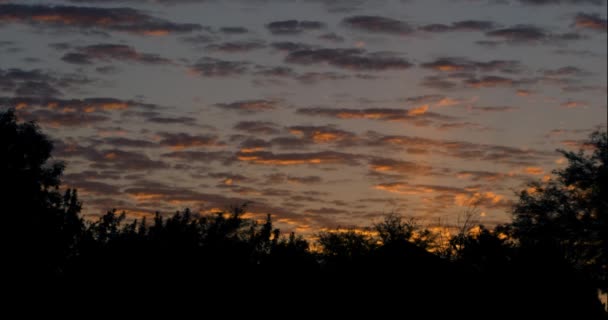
322,113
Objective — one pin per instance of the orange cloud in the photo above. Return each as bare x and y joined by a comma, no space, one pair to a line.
590,21
524,93
403,167
534,170
157,32
88,18
574,104
286,159
418,111
321,134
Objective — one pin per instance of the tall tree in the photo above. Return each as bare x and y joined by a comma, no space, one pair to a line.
40,226
568,215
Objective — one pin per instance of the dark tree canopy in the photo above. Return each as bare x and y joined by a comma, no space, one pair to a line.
40,223
568,215
548,263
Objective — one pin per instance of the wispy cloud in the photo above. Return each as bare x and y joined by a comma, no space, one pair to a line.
413,115
285,159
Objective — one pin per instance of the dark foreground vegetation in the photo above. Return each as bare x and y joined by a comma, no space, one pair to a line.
549,262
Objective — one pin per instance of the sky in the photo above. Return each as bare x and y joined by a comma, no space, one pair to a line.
322,113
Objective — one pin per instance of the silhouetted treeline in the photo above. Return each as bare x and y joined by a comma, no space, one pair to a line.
550,261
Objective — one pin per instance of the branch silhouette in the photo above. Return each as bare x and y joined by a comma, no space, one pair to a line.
548,262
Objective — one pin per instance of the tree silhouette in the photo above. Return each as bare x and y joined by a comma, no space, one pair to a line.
568,215
41,227
547,263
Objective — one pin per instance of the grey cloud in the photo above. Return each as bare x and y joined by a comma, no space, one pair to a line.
37,89
564,72
91,18
234,30
92,187
160,119
39,83
199,156
228,178
559,2
58,119
332,37
353,59
378,24
124,160
437,82
465,25
127,142
461,149
591,21
316,77
493,108
236,46
113,159
258,127
199,39
292,27
455,64
519,33
249,106
184,140
289,46
275,72
528,34
212,67
108,52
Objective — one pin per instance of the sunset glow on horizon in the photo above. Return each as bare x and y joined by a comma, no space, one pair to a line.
322,113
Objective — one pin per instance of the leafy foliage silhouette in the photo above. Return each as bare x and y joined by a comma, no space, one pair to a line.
548,262
568,215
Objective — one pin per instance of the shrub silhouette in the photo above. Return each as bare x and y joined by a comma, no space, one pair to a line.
547,263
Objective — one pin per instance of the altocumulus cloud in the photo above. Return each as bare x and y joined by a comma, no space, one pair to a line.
212,67
91,18
378,24
107,52
352,59
291,27
249,106
590,21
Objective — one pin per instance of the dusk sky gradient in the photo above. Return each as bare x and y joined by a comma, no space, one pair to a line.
322,113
